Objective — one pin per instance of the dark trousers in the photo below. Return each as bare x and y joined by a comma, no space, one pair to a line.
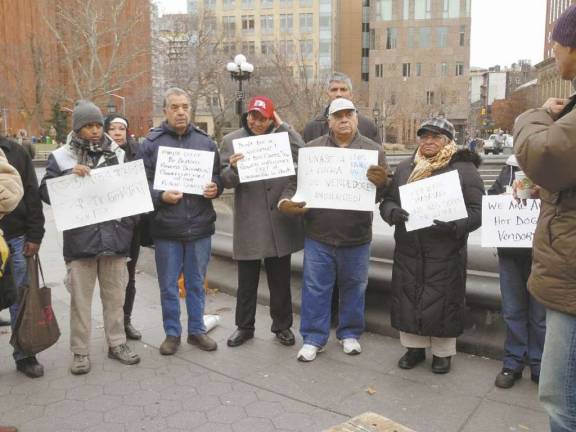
131,265
278,275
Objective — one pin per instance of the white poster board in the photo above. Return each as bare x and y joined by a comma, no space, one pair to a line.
437,197
107,193
265,157
507,223
335,178
183,170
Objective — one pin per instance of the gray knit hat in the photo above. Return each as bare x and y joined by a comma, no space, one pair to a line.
565,29
85,112
437,125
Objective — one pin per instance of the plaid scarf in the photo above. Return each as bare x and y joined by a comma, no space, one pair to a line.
93,154
426,166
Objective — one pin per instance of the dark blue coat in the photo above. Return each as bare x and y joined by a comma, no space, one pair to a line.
193,217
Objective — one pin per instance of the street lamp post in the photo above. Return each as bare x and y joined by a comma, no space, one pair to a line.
123,98
240,70
377,114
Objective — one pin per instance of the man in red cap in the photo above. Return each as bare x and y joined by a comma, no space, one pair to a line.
261,232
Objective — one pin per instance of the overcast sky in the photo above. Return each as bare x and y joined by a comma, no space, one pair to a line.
503,31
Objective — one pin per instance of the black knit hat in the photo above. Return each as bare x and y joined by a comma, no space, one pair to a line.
565,29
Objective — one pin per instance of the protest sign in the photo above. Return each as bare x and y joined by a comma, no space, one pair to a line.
265,157
183,170
106,194
335,178
437,197
507,223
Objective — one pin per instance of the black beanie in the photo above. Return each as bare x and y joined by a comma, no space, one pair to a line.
565,29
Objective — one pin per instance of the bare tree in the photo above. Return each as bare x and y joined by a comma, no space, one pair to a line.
98,44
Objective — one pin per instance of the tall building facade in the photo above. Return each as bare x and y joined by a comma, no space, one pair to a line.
44,61
301,31
549,82
419,64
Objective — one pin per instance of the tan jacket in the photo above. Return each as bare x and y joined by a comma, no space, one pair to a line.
11,190
546,151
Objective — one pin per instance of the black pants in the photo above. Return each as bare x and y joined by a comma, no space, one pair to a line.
278,274
131,265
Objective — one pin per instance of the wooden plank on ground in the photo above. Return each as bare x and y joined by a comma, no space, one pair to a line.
369,422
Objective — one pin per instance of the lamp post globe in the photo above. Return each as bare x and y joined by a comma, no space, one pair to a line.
240,70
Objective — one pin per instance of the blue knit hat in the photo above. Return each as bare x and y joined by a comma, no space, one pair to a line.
565,29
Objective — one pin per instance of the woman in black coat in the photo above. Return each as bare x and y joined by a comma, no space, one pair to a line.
116,126
429,271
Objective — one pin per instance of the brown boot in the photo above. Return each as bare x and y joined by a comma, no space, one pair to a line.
170,345
203,341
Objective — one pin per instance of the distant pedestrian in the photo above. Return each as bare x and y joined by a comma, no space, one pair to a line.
524,316
261,232
23,230
182,225
336,245
429,270
116,126
93,252
545,140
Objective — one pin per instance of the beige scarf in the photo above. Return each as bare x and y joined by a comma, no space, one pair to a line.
426,166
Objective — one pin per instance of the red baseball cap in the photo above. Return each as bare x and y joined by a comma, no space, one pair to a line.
263,105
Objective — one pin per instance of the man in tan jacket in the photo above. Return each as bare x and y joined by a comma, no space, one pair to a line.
546,150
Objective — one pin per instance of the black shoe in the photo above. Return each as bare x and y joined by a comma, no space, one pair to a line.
535,378
30,367
441,365
506,378
239,337
412,357
130,330
286,337
203,341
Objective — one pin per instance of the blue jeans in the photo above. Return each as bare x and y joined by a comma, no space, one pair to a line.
191,258
325,266
525,318
558,377
19,273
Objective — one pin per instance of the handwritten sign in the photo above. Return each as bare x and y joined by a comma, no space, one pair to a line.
265,157
106,194
437,197
183,170
507,223
335,178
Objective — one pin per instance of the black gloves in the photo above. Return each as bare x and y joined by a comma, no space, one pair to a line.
398,215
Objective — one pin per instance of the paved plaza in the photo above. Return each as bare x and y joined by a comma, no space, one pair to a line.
257,387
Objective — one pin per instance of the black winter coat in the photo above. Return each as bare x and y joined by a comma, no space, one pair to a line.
110,238
429,270
193,217
28,218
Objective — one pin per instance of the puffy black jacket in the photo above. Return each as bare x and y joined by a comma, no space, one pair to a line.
429,271
193,217
105,238
28,218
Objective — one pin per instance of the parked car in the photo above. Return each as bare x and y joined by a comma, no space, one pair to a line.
496,145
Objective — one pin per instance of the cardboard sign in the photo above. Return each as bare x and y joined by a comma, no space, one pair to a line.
507,223
106,194
265,157
437,197
183,170
335,178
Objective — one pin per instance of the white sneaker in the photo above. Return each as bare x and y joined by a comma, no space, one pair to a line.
308,353
351,346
